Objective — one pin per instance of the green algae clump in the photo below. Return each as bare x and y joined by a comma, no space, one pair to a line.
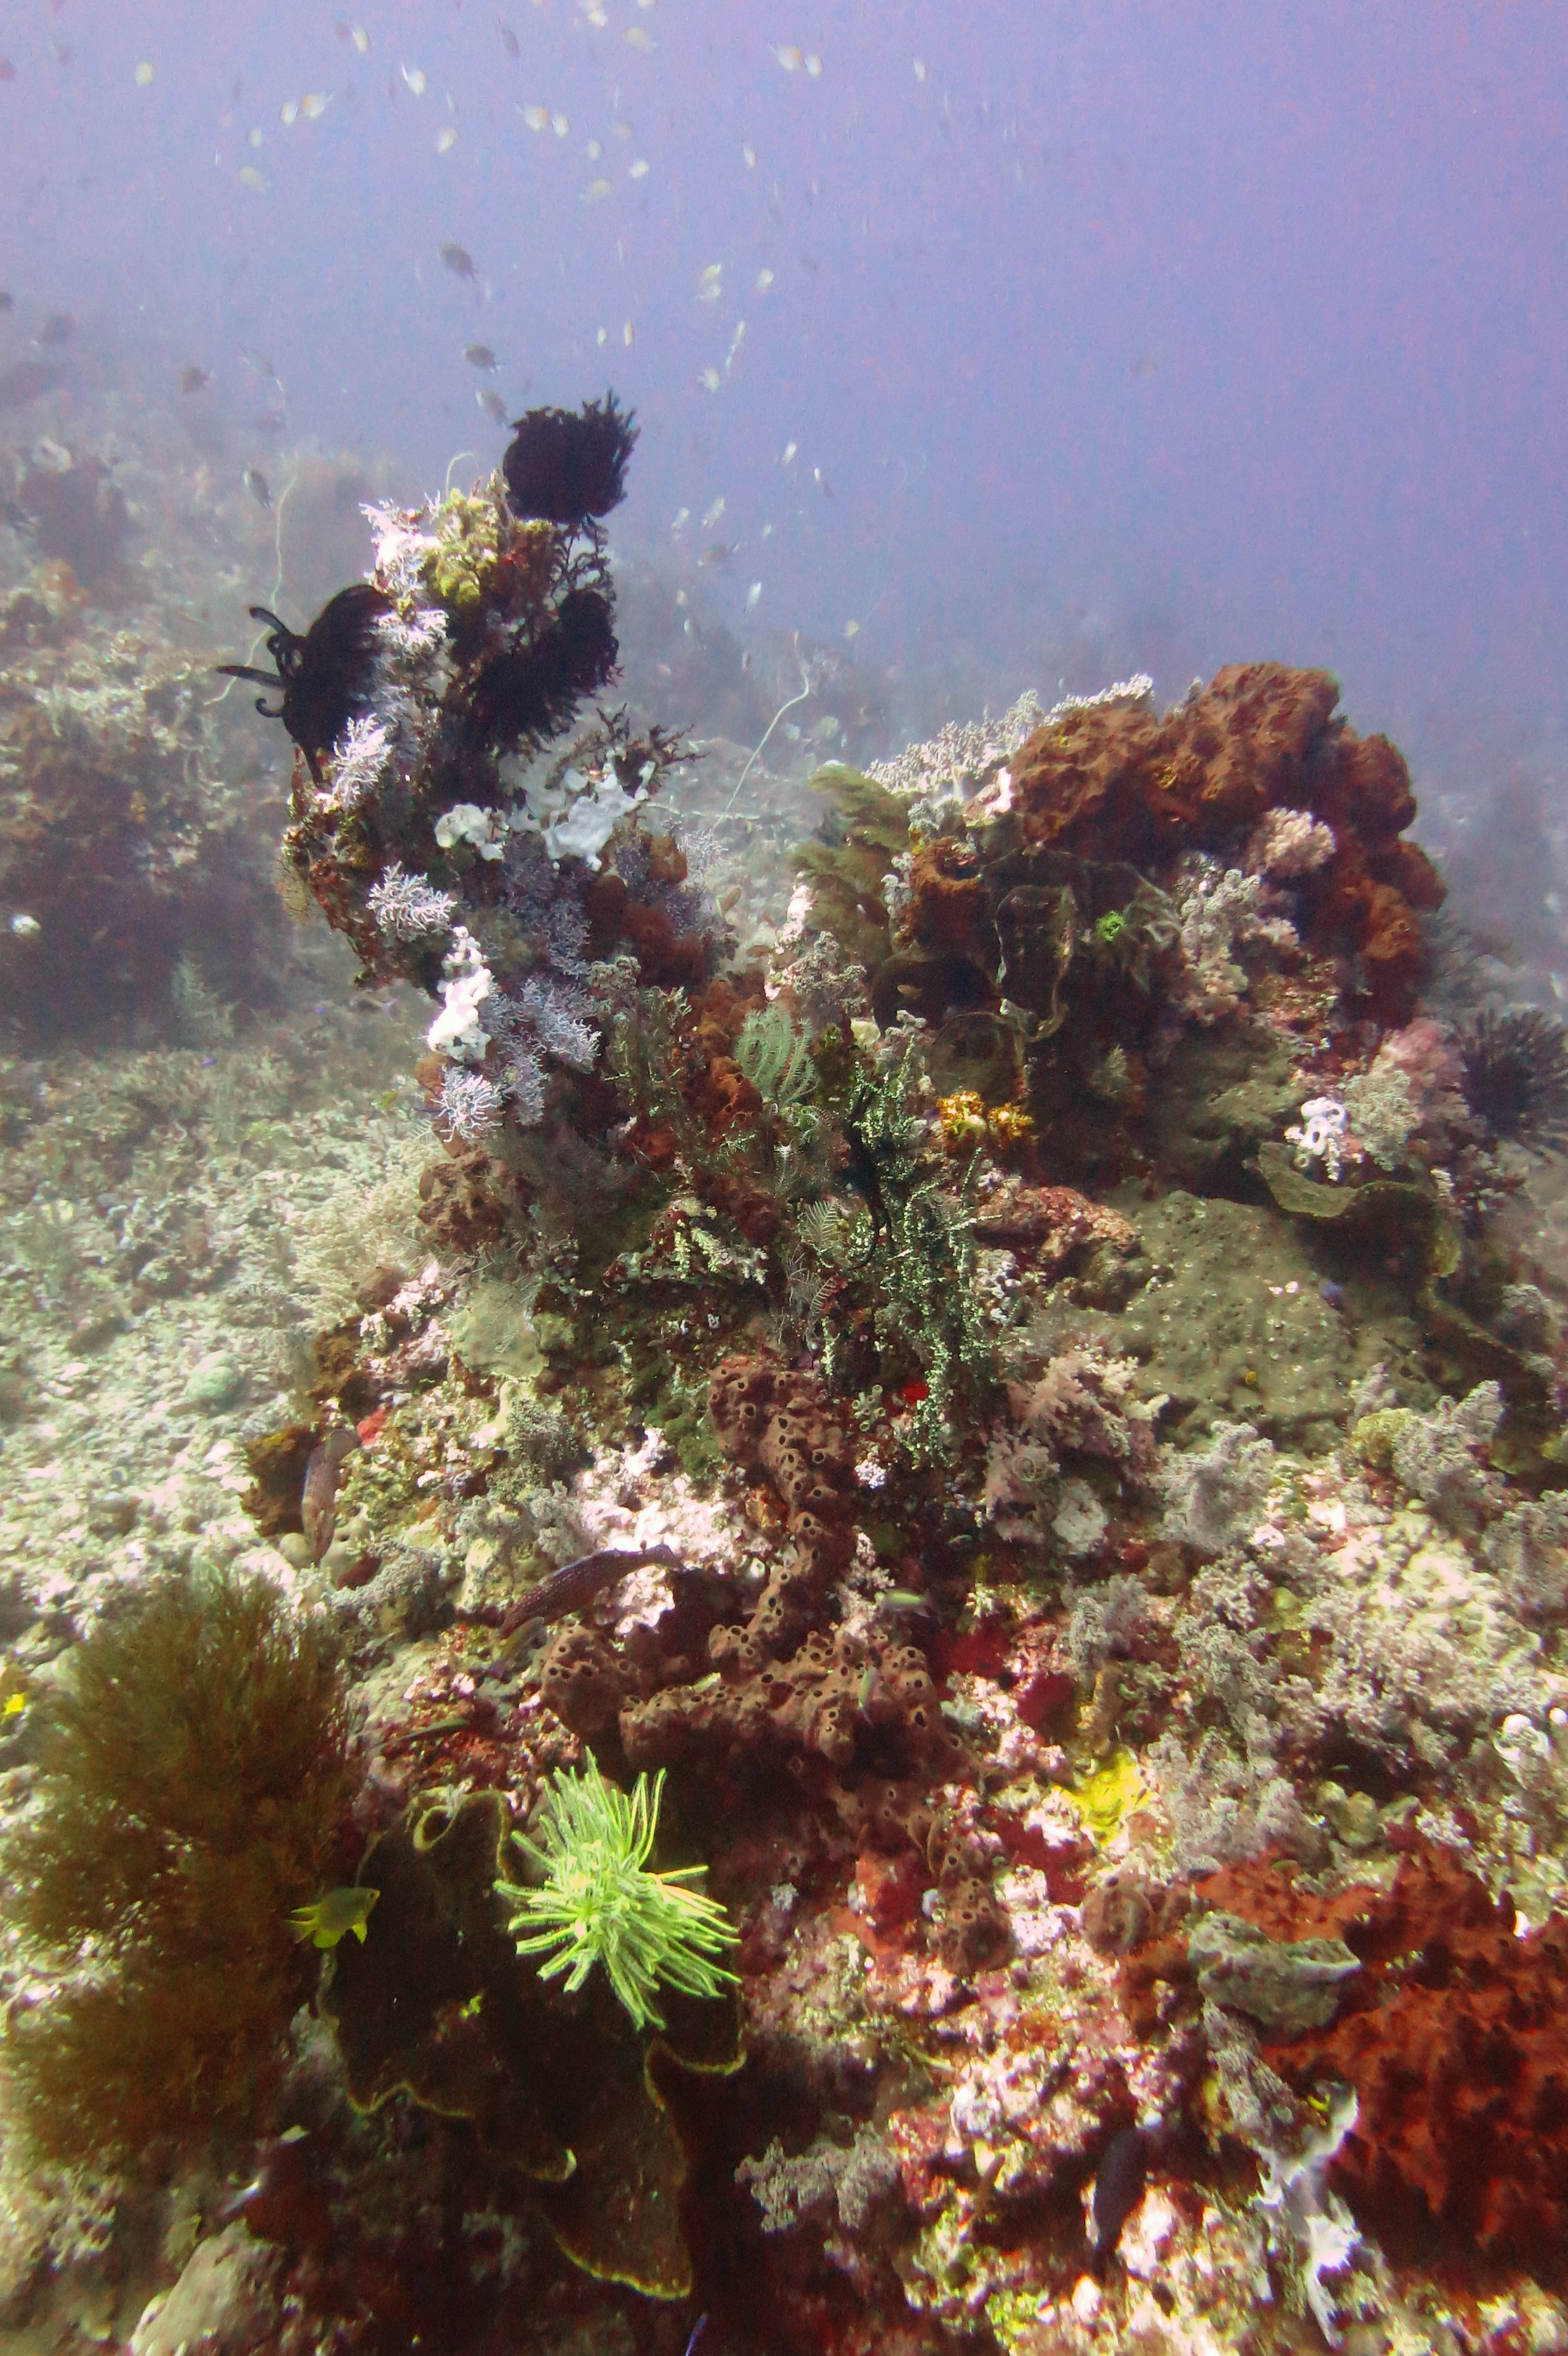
192,1778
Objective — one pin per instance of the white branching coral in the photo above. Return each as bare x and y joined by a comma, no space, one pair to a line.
1319,1136
401,550
471,1106
406,907
418,633
359,756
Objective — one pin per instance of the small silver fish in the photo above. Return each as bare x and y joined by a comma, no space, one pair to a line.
491,402
256,483
479,356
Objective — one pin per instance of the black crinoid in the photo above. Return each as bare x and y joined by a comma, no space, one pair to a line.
527,694
1515,1074
326,677
569,466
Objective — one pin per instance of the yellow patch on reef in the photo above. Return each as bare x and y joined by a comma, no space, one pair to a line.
1013,2313
967,1120
962,1118
1108,1796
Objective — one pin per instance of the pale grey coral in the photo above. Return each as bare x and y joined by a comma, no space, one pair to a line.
556,1014
1420,1645
401,550
853,2178
1439,1457
1103,1623
524,1087
1213,1496
1223,916
961,756
819,984
1383,1116
1082,1402
1222,1808
1287,844
406,907
1527,1551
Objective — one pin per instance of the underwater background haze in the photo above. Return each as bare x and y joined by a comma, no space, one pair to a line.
1199,328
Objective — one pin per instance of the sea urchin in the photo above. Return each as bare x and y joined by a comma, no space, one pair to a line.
1515,1072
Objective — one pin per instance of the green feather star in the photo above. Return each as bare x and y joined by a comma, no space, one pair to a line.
600,1904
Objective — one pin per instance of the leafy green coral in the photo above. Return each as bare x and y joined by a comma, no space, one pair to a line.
192,1778
600,1904
916,1241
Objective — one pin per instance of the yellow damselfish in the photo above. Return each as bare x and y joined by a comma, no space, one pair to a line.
325,1922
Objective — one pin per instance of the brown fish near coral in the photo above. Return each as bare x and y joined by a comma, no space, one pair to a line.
574,1586
318,1499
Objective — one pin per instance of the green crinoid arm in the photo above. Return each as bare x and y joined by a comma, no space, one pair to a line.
599,1903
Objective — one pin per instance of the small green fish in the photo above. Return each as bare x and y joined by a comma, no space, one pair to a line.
903,1599
325,1922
